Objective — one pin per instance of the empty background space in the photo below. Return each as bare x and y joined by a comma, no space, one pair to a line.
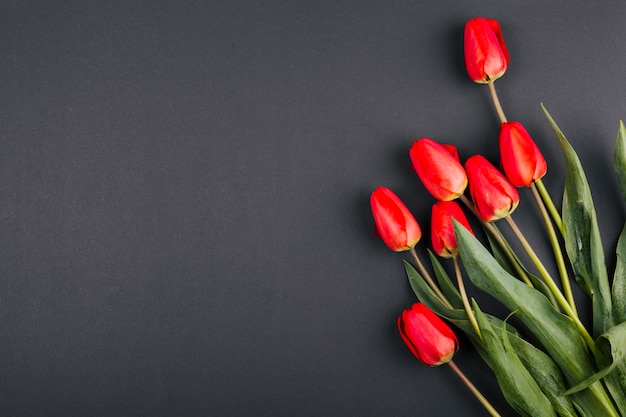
184,193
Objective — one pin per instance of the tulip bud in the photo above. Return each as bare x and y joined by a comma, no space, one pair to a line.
493,195
453,151
438,168
428,337
442,227
486,55
394,222
521,159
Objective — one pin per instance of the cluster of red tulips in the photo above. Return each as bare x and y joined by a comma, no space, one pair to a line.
566,370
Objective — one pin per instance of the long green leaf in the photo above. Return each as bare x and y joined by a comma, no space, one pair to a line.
611,354
619,158
582,236
427,296
445,283
457,315
503,260
618,290
518,386
540,365
556,333
545,372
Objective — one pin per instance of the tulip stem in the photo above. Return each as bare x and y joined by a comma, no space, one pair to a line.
495,233
466,304
429,279
551,284
496,101
556,247
474,390
547,200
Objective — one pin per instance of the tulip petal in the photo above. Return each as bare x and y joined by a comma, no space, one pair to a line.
520,157
442,230
486,56
427,336
394,223
495,27
438,168
493,195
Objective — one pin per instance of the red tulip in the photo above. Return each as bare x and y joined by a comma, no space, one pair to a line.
394,222
486,55
521,159
442,228
439,169
493,195
427,336
453,151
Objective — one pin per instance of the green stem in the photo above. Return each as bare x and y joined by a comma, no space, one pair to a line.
429,279
551,284
466,304
492,411
547,200
556,247
496,101
495,233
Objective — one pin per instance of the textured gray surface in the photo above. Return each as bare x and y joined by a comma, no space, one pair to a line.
184,218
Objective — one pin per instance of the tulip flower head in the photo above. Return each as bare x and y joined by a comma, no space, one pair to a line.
493,195
394,222
486,55
453,151
521,159
438,168
428,337
442,227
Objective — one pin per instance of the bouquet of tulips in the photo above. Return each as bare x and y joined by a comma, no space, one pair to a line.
544,358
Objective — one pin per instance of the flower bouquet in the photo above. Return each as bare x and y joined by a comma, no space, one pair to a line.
546,361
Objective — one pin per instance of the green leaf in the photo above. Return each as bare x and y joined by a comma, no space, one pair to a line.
556,333
619,278
503,260
427,296
541,367
445,283
619,158
618,290
583,243
611,346
518,386
458,316
611,354
545,372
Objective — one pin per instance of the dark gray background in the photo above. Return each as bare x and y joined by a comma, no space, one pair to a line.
184,216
